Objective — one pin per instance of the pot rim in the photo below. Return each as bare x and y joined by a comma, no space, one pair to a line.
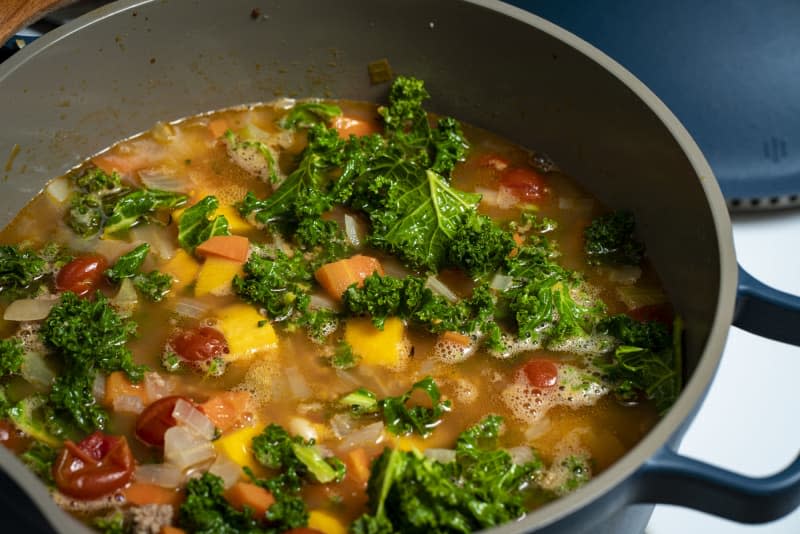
670,426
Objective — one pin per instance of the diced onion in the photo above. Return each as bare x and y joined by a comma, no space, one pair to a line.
156,386
318,301
501,282
165,180
284,103
436,285
300,426
184,448
625,274
186,414
488,196
160,243
297,383
29,309
443,456
521,455
59,189
506,199
35,369
126,299
128,404
575,203
165,475
99,386
351,230
342,424
363,437
192,308
229,471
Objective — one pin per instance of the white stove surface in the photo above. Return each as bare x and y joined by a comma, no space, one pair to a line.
748,422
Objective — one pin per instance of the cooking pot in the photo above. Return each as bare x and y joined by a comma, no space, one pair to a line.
121,68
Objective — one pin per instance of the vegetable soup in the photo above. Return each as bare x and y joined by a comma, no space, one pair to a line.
325,316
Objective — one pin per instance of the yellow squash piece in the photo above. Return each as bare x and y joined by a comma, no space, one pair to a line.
239,324
183,268
236,224
216,275
325,522
236,445
387,347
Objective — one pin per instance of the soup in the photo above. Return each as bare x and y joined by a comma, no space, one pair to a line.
323,316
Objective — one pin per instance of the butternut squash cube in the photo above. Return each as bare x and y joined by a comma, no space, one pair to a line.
236,224
239,324
388,347
325,522
237,446
183,268
216,276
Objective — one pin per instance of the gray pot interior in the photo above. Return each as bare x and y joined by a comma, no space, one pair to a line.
118,71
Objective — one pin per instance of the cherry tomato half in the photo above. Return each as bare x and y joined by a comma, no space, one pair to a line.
156,419
525,184
82,275
199,344
541,373
96,466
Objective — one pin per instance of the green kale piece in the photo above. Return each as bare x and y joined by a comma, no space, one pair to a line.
245,148
198,223
318,322
96,180
343,356
89,336
39,458
361,402
32,416
128,264
480,247
649,334
90,205
276,282
580,472
205,509
21,271
307,114
11,356
655,370
154,285
113,523
482,488
610,239
136,206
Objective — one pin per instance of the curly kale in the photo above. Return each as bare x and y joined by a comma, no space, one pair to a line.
198,223
11,357
480,247
307,114
154,285
611,239
21,271
205,509
482,488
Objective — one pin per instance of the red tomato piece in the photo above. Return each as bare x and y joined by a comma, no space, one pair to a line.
82,275
525,184
199,344
156,419
541,373
96,466
12,438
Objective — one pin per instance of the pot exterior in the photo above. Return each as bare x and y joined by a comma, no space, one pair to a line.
120,69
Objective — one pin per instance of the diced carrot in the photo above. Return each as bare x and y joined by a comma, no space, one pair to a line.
117,384
358,465
166,529
217,127
347,126
456,338
124,164
232,247
254,497
337,276
139,493
518,239
227,409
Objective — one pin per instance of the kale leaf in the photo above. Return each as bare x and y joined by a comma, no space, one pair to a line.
154,285
39,458
205,509
480,246
128,264
198,224
11,356
136,206
307,114
21,270
610,239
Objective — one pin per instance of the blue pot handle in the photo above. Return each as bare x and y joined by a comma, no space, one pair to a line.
765,311
669,478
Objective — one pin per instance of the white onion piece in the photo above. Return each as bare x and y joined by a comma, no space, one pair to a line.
165,475
35,369
299,426
488,196
318,301
29,309
347,377
342,424
436,285
229,471
521,455
126,299
351,230
128,404
506,199
443,456
501,282
284,103
192,308
184,448
160,243
156,386
363,437
186,414
625,274
99,386
575,203
297,383
165,180
59,189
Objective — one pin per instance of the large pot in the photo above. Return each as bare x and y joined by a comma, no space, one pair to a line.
116,71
